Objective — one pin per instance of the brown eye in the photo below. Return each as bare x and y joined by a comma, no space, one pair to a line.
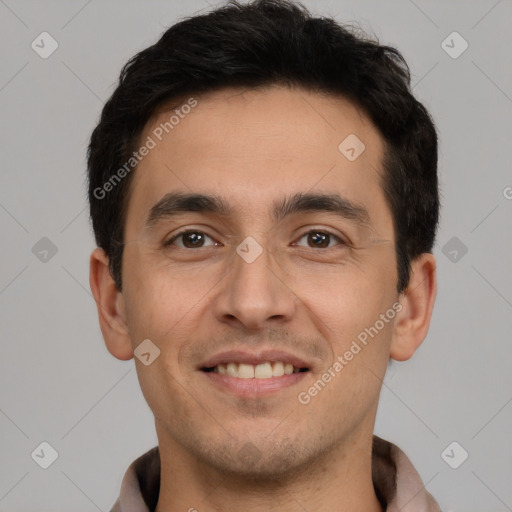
189,239
320,239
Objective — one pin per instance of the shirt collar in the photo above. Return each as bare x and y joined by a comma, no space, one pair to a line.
397,483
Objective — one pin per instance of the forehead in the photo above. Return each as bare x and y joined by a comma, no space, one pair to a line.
279,122
255,145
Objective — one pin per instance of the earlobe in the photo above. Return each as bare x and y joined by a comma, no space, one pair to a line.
110,304
412,322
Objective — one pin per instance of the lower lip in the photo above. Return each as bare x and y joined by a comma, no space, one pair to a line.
253,387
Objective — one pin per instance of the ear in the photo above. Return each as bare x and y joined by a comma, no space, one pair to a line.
110,304
413,320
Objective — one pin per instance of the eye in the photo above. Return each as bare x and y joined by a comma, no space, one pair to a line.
320,239
190,239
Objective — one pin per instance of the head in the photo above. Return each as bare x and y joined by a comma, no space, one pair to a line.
258,120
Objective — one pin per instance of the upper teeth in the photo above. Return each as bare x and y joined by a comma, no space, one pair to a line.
258,371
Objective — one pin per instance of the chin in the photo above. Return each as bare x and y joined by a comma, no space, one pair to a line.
268,463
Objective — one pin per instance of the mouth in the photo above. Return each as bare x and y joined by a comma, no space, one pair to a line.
266,370
247,375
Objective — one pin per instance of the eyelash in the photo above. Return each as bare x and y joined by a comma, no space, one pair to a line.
312,231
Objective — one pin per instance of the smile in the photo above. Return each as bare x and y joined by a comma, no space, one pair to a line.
266,370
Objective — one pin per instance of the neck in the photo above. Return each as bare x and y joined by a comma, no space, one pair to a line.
340,481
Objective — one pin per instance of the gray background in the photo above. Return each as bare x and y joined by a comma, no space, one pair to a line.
59,384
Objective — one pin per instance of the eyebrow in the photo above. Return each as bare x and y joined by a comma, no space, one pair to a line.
175,203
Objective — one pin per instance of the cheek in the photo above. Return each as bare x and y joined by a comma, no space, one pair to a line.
161,296
346,297
347,305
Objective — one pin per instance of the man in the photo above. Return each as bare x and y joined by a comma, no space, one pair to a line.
263,192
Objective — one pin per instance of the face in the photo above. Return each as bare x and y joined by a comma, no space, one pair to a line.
280,269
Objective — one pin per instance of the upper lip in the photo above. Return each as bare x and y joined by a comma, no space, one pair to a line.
255,358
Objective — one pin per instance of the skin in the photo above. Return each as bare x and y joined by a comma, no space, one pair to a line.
253,147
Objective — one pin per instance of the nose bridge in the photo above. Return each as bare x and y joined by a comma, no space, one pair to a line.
252,264
253,290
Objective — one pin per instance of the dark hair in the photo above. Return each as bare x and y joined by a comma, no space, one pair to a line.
258,44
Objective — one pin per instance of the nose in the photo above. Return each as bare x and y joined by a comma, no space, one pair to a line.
254,293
